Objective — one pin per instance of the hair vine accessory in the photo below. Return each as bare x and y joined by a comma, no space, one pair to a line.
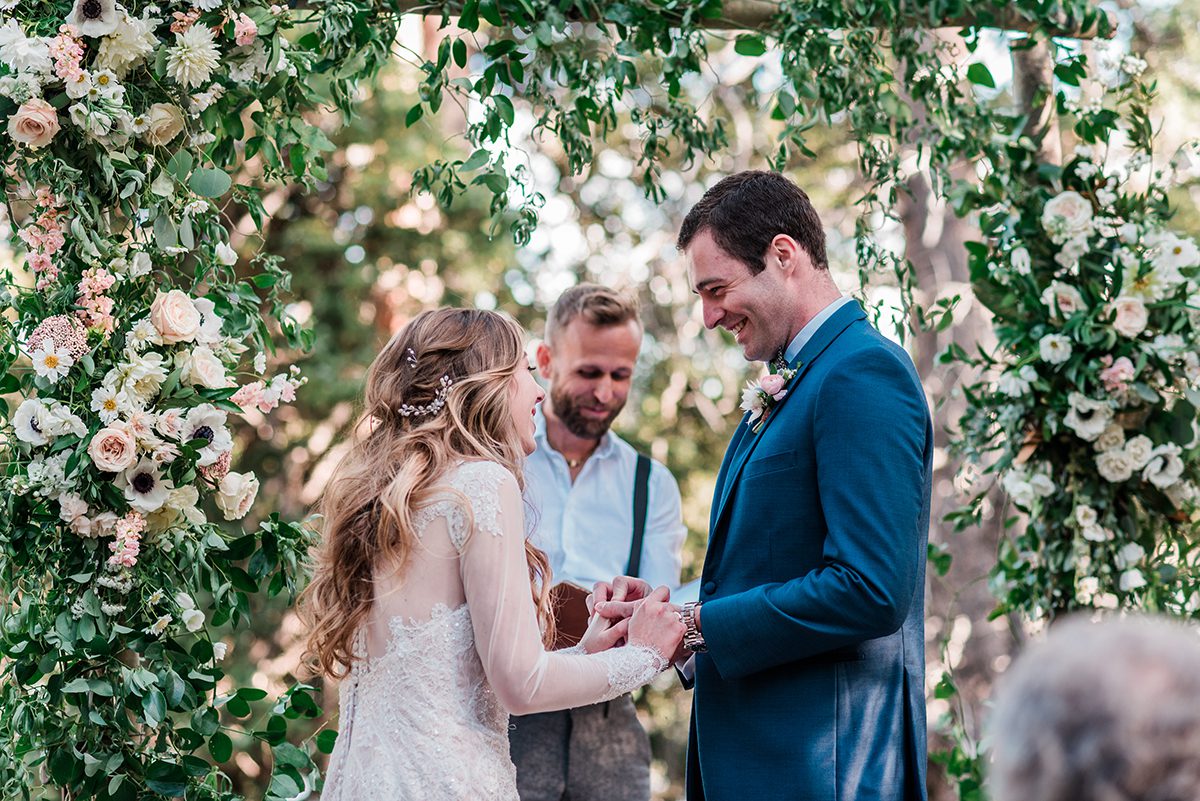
411,358
431,408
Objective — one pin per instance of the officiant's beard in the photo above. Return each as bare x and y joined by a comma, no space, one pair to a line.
570,413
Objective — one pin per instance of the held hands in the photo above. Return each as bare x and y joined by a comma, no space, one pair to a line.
650,618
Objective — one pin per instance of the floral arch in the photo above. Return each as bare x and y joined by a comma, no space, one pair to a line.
133,328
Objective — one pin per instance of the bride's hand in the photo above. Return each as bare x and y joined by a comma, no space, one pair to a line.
656,623
602,634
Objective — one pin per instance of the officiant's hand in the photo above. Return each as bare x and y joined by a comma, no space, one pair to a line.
622,588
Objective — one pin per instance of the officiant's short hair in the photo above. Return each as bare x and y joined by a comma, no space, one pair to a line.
594,304
1101,711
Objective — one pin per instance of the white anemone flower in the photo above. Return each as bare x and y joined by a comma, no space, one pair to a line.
207,422
145,488
29,422
95,17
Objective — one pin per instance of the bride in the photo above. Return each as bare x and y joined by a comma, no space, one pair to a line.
428,602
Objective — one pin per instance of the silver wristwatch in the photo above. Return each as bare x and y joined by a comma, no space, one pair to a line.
693,640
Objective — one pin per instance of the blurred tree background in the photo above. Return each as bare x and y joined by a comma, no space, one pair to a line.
366,255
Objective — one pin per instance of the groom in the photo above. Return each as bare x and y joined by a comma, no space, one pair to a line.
808,638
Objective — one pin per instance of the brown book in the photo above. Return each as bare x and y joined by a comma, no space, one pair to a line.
569,602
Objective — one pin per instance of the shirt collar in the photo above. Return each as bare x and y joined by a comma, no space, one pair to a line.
606,447
807,332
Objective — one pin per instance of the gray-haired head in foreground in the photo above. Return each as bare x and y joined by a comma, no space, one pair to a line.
1101,712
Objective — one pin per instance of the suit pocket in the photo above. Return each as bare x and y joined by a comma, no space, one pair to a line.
770,463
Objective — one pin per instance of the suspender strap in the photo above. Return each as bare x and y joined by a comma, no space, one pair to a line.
641,497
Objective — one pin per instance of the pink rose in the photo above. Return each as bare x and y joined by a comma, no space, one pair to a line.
1132,317
235,494
113,449
773,385
1118,374
244,30
175,317
34,124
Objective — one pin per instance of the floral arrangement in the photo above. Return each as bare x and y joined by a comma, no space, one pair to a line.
761,396
1087,407
132,330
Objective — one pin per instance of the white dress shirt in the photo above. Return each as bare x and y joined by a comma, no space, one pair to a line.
586,528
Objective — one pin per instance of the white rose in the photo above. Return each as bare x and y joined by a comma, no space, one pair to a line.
1055,348
1085,516
1114,466
236,494
1131,316
1062,299
1112,438
1021,261
163,123
1097,534
1130,554
1139,450
225,254
193,619
1042,485
201,368
175,317
113,449
1131,580
1066,216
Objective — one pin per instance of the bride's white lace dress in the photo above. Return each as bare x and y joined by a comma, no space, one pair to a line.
451,648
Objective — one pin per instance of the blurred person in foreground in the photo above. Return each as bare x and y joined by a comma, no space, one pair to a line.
428,601
1105,711
599,509
807,641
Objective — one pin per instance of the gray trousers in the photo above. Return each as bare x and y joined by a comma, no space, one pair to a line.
593,753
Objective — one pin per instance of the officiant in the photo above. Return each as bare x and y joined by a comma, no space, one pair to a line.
598,509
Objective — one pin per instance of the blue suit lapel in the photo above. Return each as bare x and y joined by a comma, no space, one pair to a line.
736,457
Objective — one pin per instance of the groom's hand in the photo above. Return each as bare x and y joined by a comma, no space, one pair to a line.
622,588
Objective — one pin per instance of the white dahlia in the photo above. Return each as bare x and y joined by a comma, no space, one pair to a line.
129,45
193,58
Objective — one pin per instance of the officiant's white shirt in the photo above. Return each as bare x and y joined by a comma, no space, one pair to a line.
586,528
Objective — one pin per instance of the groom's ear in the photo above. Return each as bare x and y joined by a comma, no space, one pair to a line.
542,356
786,251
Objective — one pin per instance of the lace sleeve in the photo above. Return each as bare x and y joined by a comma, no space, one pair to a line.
525,677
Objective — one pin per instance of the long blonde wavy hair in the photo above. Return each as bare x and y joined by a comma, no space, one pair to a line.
396,461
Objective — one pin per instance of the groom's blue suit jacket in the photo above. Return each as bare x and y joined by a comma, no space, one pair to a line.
813,586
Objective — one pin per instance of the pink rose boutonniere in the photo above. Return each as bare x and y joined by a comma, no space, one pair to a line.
760,397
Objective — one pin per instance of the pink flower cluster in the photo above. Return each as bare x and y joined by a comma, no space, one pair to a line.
244,30
65,332
97,306
128,542
67,51
184,21
218,469
265,397
44,238
1117,375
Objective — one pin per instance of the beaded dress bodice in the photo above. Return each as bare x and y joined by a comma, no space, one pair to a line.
421,720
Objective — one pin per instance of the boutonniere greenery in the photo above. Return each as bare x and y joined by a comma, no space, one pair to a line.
762,396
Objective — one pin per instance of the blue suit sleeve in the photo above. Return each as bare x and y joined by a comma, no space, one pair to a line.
870,429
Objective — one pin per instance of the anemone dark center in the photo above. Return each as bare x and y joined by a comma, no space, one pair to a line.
143,482
34,425
92,9
204,432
